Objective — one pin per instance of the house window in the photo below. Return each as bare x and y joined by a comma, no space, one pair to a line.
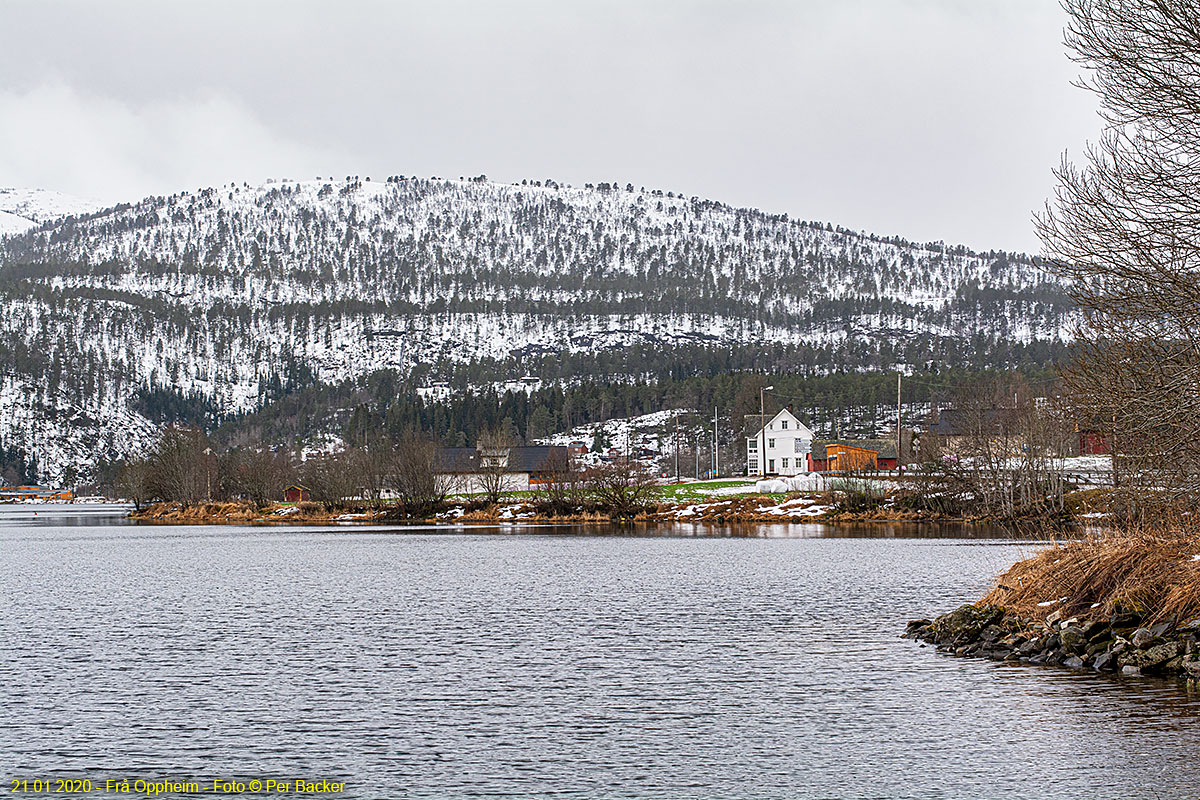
783,424
771,443
799,446
752,465
784,462
770,465
752,443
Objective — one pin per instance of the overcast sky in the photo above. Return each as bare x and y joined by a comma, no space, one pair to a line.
929,119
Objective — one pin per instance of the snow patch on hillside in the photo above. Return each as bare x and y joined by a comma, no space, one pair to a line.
12,223
43,205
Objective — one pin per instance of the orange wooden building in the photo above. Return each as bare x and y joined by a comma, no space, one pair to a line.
847,458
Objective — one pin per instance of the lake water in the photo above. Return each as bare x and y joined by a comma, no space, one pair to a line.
549,663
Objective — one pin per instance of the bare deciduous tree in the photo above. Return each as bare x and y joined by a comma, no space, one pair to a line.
258,474
133,482
372,462
330,479
1125,230
622,488
181,466
421,487
565,490
494,449
1003,458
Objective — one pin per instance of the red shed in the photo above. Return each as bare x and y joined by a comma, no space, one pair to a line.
296,494
1093,443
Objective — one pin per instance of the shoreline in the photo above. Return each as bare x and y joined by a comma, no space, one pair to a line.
1124,601
1127,643
752,509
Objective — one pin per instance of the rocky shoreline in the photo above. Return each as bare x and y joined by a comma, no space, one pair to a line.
1125,643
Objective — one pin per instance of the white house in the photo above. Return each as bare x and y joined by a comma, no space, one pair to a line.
786,440
513,469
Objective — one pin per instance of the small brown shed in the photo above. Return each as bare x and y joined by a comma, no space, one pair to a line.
296,494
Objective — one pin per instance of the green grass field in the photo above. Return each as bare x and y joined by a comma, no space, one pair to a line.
691,492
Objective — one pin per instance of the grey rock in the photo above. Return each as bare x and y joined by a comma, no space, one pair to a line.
1030,647
1131,671
964,624
1012,641
1151,656
1160,629
1142,638
1074,662
1125,619
1073,639
1192,667
1105,662
1053,618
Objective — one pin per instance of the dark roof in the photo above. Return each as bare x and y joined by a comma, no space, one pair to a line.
885,447
957,422
536,458
456,459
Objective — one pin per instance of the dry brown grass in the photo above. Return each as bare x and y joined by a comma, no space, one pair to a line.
1150,569
238,513
489,513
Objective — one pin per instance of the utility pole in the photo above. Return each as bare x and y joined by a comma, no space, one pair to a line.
677,445
762,430
208,474
899,456
715,455
696,448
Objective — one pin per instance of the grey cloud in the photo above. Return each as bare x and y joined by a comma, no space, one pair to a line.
932,120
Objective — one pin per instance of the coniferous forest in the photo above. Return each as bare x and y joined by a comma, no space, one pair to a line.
289,307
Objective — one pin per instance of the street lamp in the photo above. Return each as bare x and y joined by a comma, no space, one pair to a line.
762,430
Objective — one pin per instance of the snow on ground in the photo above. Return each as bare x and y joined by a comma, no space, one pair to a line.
652,432
12,223
729,491
65,432
810,482
42,205
798,506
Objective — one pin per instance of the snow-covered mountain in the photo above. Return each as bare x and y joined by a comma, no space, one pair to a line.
226,295
22,209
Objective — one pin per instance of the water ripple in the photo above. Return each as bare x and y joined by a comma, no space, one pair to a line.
418,664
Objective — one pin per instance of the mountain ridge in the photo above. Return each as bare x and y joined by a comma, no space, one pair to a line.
229,293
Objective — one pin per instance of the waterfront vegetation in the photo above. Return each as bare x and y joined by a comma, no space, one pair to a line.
1123,232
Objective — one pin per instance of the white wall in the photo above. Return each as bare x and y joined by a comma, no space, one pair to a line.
787,440
473,483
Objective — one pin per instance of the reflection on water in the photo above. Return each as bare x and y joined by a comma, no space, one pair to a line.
422,663
60,515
